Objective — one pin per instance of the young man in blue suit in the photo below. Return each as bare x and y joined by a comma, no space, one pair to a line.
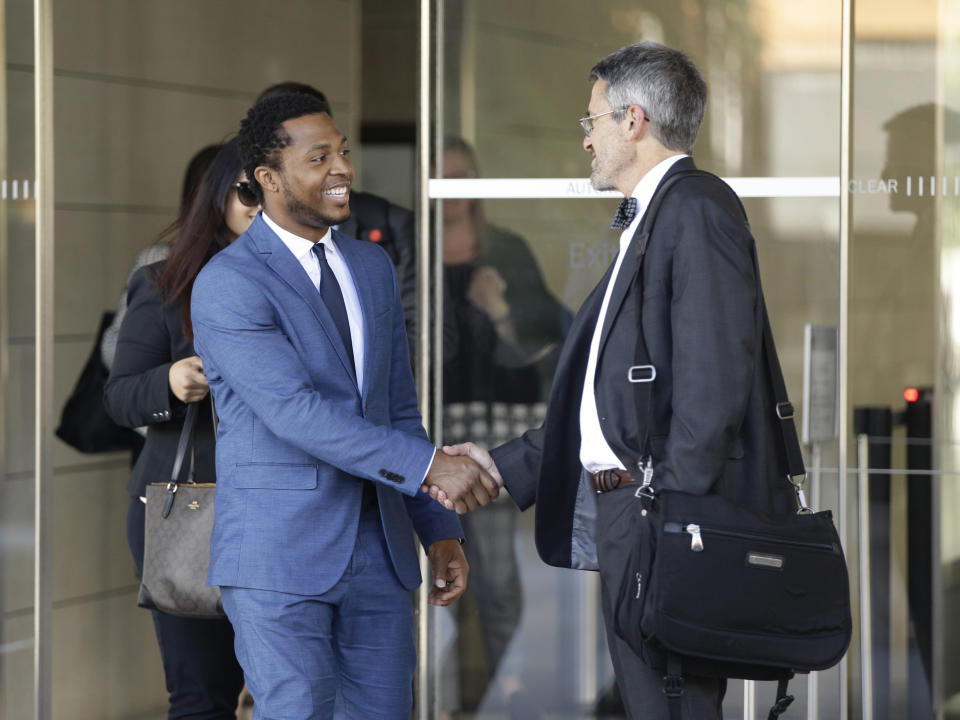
321,452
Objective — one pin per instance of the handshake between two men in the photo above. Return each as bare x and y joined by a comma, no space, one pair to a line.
462,478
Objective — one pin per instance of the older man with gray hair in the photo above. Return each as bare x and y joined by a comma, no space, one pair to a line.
695,301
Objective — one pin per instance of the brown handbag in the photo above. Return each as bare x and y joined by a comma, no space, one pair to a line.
176,556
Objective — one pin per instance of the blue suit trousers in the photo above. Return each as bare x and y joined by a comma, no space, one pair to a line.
298,651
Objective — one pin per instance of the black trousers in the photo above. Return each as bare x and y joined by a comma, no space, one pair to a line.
202,674
641,686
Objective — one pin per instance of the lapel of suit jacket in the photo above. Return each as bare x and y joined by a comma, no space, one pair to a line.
630,265
361,281
288,268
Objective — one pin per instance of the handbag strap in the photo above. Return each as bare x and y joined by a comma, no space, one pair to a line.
186,441
643,385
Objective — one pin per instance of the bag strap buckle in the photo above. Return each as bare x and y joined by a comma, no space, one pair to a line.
783,700
780,707
797,482
673,686
785,410
641,374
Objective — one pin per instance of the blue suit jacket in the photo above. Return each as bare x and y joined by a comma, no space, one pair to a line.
295,432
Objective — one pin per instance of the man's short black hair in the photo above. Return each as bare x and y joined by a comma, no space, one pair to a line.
291,86
262,135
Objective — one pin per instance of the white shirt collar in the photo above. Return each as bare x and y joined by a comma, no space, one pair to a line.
644,191
300,247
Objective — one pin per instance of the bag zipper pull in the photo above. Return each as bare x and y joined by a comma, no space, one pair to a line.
639,584
696,542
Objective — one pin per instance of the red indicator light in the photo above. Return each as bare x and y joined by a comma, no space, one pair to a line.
911,395
376,235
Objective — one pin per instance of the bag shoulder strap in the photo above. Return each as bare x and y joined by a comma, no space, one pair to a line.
643,386
186,440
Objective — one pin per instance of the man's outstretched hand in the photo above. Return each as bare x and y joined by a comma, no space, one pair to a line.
480,457
459,483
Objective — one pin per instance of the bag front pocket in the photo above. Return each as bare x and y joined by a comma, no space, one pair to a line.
779,588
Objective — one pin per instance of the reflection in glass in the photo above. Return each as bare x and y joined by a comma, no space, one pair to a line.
901,194
508,329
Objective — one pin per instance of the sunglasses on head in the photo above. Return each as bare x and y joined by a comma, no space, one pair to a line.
245,194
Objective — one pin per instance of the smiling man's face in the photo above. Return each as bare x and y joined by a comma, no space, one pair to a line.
315,172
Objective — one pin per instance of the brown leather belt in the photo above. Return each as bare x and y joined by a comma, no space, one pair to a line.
611,479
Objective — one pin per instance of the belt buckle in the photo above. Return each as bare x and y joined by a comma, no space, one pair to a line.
604,480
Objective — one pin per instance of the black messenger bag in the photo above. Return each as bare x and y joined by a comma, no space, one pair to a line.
713,588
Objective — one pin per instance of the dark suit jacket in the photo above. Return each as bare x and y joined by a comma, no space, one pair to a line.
138,391
713,412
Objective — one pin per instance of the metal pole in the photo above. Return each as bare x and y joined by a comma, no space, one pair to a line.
749,700
43,408
587,639
866,645
423,699
432,273
435,275
846,159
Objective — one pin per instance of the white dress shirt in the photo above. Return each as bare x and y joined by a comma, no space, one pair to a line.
302,250
595,453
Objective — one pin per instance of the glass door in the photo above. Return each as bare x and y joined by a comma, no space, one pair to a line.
904,195
519,239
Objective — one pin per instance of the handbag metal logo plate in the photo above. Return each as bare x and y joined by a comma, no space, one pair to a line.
194,505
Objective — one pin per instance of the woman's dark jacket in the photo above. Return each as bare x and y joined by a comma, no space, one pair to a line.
138,391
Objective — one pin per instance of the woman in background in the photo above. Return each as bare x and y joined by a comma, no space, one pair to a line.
509,328
155,374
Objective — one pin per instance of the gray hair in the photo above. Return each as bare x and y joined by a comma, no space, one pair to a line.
661,80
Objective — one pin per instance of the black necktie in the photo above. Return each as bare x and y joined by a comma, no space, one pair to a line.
626,212
333,298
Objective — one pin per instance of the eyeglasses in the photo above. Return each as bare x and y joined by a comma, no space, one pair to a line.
587,122
245,194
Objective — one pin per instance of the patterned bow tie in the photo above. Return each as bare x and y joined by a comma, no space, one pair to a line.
626,212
